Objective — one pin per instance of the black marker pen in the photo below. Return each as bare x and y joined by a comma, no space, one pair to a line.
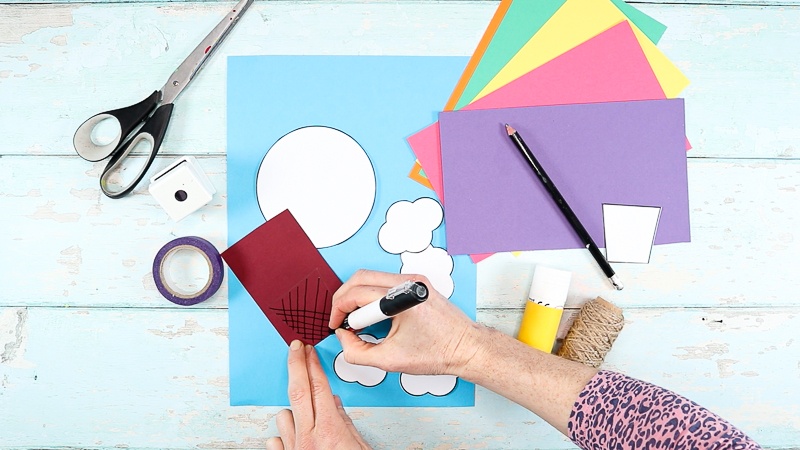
397,300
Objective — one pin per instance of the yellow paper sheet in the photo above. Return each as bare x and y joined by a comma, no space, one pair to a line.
574,23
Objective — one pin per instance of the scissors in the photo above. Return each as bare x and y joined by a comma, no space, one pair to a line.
152,113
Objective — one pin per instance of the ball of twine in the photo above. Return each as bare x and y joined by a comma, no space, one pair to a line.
594,330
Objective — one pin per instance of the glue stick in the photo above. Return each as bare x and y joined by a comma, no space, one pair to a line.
544,307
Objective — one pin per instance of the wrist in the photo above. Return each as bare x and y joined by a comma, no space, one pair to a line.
473,352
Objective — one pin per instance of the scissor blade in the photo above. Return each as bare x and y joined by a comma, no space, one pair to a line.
192,64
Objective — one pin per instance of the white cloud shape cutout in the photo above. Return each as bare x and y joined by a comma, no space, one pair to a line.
434,263
323,177
437,385
409,226
367,376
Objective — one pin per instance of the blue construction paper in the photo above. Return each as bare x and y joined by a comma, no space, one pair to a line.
377,100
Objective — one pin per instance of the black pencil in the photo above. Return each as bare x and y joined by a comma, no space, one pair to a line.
564,207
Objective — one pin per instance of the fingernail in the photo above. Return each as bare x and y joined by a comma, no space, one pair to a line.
295,345
274,443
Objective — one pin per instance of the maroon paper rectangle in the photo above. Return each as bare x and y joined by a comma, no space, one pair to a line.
287,277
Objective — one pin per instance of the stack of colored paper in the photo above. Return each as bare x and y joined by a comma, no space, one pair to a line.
585,85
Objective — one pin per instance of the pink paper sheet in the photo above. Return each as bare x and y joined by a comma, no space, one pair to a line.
609,67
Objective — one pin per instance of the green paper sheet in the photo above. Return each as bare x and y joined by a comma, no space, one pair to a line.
652,28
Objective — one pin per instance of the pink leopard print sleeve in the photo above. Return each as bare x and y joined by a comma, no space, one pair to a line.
615,411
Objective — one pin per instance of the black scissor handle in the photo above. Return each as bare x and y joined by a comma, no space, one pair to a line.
128,119
153,132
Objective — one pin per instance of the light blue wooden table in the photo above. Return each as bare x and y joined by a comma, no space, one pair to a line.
92,356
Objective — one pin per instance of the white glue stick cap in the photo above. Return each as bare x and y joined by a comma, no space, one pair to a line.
549,286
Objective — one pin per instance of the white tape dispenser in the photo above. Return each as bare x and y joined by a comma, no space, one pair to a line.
182,188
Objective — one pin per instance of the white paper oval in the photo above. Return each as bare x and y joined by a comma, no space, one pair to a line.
367,376
438,385
323,177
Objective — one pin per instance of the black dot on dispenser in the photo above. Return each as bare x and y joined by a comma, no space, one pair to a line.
181,195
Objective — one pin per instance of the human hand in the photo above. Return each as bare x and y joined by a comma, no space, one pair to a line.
317,419
430,339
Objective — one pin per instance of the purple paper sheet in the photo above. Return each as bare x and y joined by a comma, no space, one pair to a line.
622,152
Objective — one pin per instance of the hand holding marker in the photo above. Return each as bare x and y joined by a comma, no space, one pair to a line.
396,300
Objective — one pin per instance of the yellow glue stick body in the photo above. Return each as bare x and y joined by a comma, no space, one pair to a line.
544,307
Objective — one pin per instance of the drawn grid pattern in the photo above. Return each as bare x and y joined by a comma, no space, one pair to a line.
306,308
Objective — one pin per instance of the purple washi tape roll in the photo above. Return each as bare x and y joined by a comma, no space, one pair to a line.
211,256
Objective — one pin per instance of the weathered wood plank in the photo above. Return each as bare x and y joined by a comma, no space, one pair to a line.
90,249
73,246
463,2
158,379
744,99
